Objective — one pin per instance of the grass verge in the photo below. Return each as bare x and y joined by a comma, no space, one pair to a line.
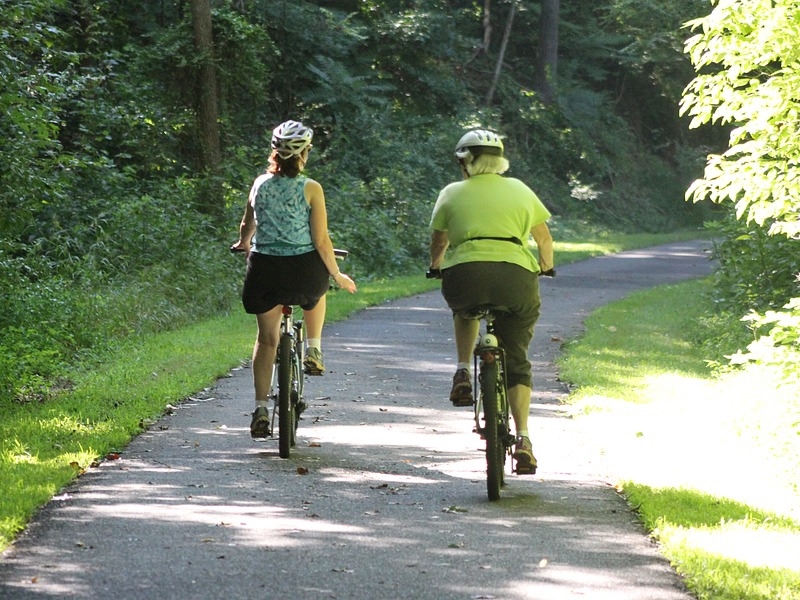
44,445
709,461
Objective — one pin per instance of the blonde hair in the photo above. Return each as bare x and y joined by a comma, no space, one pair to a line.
485,163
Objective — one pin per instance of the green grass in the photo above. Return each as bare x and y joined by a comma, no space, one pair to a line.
44,445
709,461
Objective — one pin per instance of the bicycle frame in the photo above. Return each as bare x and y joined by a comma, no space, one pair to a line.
492,421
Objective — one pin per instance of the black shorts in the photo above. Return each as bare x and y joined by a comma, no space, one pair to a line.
505,285
272,280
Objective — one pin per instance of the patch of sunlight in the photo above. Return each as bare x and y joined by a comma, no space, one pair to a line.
582,247
669,387
757,547
21,458
61,424
708,435
433,437
81,459
15,452
255,525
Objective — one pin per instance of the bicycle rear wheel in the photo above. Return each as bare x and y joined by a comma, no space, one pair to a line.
286,420
495,443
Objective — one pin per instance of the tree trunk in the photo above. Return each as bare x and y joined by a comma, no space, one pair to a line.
547,57
208,103
501,55
487,25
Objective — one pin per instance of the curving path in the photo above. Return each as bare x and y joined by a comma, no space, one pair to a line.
384,496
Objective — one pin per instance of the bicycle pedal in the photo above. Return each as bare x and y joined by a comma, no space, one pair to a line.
524,471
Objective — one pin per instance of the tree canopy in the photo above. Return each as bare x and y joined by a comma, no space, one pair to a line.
132,131
748,63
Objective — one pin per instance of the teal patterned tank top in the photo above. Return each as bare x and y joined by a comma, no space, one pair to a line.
282,216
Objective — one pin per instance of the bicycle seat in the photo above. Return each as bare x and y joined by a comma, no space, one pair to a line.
481,311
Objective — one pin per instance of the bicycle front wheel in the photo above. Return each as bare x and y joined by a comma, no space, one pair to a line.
286,420
495,446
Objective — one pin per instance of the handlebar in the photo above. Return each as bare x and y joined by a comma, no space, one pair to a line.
433,274
339,253
437,273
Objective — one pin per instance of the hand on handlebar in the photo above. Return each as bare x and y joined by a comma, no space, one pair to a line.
239,247
548,273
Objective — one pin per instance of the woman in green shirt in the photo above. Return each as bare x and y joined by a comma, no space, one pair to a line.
485,221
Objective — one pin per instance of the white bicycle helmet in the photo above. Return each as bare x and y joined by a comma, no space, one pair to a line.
291,138
488,142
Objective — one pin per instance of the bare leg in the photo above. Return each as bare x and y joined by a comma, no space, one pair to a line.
466,332
519,400
315,319
264,352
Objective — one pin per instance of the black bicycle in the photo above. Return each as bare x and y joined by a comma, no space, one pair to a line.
288,376
492,413
492,420
288,380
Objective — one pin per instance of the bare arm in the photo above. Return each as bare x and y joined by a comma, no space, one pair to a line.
247,229
439,243
544,242
319,235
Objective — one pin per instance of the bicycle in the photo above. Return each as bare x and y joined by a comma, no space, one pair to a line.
288,377
491,407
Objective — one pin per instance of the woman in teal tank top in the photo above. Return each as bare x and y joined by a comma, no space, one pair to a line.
284,233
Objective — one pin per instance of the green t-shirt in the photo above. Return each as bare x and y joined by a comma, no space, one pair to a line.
488,206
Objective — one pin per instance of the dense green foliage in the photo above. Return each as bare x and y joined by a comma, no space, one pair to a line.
110,225
746,56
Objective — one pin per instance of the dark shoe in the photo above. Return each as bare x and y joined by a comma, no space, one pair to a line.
313,364
461,392
523,454
259,426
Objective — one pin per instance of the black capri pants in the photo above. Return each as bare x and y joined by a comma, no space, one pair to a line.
509,287
272,280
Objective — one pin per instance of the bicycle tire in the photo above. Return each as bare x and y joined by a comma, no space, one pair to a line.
297,395
286,420
495,444
299,373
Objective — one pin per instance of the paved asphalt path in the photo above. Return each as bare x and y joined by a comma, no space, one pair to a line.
385,494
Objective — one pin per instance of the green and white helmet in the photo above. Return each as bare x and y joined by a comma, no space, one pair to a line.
291,138
479,141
